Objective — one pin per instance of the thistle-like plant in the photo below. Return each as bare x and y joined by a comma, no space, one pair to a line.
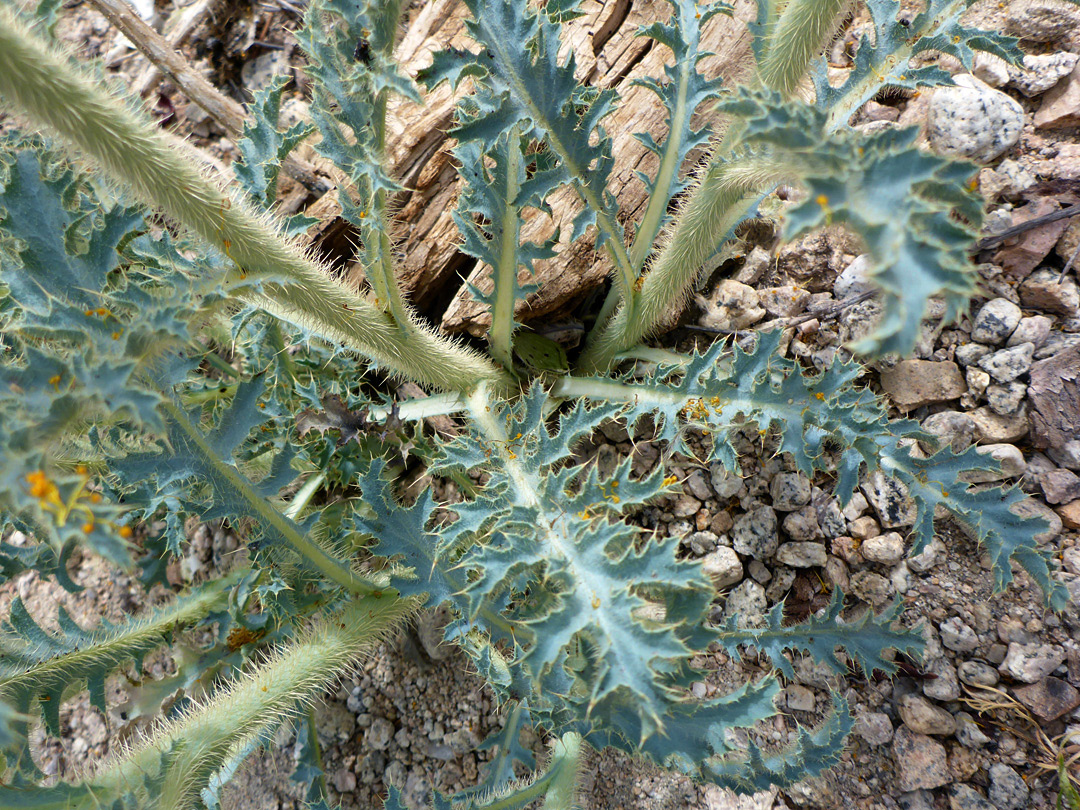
213,367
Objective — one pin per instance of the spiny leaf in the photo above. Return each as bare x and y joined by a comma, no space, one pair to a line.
493,193
884,60
525,86
40,667
812,753
863,640
827,423
989,513
263,148
721,392
199,472
889,193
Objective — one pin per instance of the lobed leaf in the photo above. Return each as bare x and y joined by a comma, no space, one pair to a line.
900,201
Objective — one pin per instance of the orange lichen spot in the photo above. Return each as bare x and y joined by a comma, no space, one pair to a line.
125,532
42,488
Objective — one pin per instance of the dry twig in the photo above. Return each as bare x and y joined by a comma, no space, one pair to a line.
227,113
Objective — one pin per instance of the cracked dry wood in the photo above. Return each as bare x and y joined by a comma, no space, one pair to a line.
608,53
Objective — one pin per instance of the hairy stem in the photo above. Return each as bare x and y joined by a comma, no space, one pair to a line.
802,30
51,93
723,195
505,274
184,754
111,648
377,246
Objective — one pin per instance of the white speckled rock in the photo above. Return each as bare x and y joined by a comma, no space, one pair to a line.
1034,330
958,636
973,120
1008,364
1042,72
732,306
747,602
1008,791
923,717
996,321
855,278
874,727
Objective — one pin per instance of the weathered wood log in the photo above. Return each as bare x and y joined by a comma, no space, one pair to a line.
608,54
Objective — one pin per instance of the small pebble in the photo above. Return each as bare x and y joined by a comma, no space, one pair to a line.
996,321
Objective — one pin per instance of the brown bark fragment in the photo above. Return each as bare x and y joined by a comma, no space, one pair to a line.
606,52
